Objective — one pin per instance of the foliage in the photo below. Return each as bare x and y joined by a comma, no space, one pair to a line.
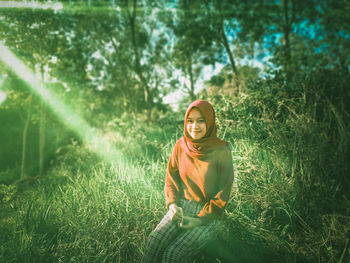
112,63
290,147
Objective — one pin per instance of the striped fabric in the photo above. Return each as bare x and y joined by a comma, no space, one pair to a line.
169,243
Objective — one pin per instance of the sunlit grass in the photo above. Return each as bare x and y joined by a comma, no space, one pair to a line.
75,213
99,214
111,200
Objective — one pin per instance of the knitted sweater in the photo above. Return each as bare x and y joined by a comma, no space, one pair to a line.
206,181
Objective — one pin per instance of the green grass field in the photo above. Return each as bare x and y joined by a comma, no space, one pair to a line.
289,202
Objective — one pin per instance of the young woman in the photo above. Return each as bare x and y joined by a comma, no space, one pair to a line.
198,182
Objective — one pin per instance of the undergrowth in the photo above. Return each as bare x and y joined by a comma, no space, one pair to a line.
289,203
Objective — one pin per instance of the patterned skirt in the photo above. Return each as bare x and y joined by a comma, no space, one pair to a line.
169,243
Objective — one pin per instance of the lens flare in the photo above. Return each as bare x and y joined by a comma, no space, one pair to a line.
14,4
2,96
93,138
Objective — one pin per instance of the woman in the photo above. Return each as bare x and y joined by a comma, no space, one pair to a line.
198,182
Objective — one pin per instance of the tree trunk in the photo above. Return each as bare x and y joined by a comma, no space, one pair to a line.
24,137
227,48
287,28
190,73
138,70
225,41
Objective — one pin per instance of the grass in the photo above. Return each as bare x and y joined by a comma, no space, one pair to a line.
289,202
101,214
85,210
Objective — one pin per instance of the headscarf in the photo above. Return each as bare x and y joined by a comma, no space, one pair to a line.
209,142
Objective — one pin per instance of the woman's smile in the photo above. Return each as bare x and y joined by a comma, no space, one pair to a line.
196,126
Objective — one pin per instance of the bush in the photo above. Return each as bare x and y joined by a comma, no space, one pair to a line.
290,147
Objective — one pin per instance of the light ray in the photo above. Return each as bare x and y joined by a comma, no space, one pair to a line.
33,5
2,93
94,139
2,96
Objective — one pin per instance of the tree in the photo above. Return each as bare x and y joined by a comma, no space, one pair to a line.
34,37
223,18
194,45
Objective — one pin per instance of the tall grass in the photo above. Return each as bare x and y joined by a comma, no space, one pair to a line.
82,212
290,146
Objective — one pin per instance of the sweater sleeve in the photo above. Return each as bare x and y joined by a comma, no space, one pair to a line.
216,205
172,179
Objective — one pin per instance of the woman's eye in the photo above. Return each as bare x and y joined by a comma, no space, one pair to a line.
189,121
201,120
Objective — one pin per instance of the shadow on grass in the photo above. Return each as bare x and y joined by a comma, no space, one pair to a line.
238,251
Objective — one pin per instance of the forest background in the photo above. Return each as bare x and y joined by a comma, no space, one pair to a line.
86,133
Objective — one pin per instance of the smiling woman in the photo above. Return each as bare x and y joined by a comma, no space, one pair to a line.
198,182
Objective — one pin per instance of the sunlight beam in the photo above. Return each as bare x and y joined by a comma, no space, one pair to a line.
92,138
33,5
2,96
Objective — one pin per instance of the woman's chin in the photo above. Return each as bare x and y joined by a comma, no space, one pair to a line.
196,137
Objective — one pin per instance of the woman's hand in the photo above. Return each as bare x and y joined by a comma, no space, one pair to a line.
190,222
177,213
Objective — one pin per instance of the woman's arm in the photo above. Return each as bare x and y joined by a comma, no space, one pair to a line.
172,179
215,206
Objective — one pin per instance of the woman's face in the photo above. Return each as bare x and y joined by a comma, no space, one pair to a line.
196,126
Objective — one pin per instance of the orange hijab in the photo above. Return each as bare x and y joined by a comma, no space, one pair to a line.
203,147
